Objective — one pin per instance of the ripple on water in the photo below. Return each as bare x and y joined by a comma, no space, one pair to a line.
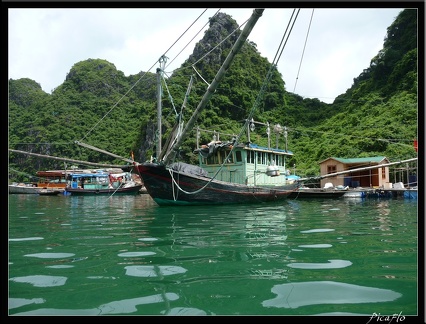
316,246
319,230
294,295
25,239
333,264
124,306
153,271
135,254
50,255
19,302
41,280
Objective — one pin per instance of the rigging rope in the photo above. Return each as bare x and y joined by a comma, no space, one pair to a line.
304,47
194,36
251,114
131,88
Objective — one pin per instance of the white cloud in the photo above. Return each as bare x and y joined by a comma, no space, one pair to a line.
339,47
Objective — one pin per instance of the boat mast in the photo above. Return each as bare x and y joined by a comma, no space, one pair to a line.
160,72
257,13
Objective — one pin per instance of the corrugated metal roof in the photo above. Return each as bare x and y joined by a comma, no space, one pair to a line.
88,175
373,159
264,148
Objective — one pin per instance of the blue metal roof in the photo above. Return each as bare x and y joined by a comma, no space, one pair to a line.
88,175
255,146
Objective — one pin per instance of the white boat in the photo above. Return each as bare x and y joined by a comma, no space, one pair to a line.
49,182
354,194
33,189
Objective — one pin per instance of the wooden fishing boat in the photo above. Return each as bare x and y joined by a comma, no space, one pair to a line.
49,182
228,172
23,188
102,183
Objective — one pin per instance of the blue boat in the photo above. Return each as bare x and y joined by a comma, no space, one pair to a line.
102,183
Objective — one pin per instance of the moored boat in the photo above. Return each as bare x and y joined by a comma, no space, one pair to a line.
305,192
24,188
48,182
49,192
228,172
102,183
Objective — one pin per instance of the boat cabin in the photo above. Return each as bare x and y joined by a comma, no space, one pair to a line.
51,179
95,181
374,178
98,180
247,164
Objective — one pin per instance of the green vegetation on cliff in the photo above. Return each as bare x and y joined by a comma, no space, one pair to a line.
376,116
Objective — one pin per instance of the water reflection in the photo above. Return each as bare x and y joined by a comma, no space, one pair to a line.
294,295
333,264
153,271
41,281
140,259
125,306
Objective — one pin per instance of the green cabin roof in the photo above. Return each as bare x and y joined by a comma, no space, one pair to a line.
374,159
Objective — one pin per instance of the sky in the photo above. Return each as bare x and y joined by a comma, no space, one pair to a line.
325,51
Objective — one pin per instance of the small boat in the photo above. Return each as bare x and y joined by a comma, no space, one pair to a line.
24,188
228,172
355,193
48,182
305,192
49,192
102,183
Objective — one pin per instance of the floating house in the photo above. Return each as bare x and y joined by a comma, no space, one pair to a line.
369,177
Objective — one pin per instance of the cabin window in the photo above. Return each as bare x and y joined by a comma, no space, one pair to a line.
275,159
238,156
223,155
383,173
214,159
251,157
230,158
331,168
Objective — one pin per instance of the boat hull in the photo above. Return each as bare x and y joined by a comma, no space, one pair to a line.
50,192
317,193
134,190
33,190
169,187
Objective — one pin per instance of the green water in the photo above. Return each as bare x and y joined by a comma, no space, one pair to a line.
127,256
